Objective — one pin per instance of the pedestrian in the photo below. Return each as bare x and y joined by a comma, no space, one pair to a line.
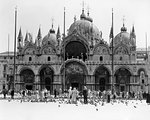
74,96
55,93
4,93
148,98
12,94
85,95
108,96
70,93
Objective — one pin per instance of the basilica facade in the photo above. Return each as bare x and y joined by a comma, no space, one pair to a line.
81,58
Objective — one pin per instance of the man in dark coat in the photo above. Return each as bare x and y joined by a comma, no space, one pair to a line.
55,93
85,94
12,94
4,93
148,98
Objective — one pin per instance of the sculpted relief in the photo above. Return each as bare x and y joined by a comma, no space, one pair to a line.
121,50
48,50
30,51
101,50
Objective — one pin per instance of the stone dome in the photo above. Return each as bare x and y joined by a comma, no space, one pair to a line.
86,28
50,38
123,37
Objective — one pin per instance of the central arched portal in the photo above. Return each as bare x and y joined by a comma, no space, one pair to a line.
75,75
76,49
102,78
46,78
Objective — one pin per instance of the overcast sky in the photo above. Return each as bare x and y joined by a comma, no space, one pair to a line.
35,13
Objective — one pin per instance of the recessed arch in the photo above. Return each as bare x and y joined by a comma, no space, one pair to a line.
75,74
141,69
122,79
76,49
102,78
46,75
27,76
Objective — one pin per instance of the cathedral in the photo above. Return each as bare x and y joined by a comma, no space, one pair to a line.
80,58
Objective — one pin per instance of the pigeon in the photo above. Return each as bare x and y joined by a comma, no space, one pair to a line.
96,109
134,106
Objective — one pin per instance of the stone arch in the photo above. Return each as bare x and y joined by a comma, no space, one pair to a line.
78,47
48,49
75,74
99,49
121,49
141,69
122,79
27,77
44,66
125,67
46,75
102,78
30,50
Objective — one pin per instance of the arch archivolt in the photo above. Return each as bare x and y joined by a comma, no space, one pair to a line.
48,49
25,68
101,49
123,66
121,49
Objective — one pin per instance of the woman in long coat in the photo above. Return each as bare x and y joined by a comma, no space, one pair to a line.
74,96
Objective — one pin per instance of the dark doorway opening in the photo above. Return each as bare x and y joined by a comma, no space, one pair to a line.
29,87
122,88
75,85
102,84
47,83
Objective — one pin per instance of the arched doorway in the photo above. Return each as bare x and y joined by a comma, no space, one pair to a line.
75,75
122,76
143,80
76,49
46,78
102,77
27,77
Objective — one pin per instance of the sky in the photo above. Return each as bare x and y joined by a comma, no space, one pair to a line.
32,14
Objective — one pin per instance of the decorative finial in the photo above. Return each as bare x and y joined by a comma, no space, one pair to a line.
83,4
88,9
52,22
123,29
75,18
123,20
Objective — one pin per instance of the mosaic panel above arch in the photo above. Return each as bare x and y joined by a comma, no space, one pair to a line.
121,50
48,50
30,51
101,50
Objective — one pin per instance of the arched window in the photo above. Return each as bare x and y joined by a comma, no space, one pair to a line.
121,58
49,59
142,81
30,58
101,58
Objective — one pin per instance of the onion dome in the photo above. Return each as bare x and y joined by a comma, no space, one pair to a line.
123,29
82,16
85,27
123,37
89,18
50,38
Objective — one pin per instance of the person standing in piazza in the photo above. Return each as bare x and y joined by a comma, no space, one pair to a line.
70,94
55,93
12,94
85,95
4,93
74,96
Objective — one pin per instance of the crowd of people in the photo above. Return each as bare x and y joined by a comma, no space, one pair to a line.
72,95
